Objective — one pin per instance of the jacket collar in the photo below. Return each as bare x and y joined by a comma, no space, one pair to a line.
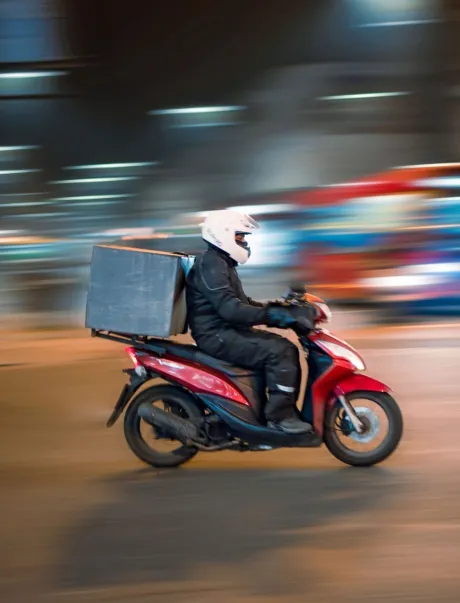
230,261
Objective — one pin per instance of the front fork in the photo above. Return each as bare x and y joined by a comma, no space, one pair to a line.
349,411
356,383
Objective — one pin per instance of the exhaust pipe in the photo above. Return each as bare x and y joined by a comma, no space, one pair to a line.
181,429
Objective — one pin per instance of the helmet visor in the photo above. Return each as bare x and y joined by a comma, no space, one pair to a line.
248,225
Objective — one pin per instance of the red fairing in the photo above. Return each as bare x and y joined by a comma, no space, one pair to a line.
322,335
340,372
357,382
195,378
322,388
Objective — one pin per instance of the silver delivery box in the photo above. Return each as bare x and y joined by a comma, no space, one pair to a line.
137,291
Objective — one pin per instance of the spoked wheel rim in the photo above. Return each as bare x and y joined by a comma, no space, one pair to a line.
383,429
376,427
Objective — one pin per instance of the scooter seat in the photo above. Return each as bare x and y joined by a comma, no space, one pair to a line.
192,352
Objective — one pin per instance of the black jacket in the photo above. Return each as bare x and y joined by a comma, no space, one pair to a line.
215,297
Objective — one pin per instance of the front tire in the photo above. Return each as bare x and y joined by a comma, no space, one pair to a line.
179,402
389,444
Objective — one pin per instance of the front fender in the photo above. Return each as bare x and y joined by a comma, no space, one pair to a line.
357,383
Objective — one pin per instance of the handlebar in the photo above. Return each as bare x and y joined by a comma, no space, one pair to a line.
298,296
294,294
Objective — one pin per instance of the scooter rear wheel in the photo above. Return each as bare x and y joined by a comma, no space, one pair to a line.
336,422
179,402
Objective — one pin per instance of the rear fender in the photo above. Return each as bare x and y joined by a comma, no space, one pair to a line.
135,382
357,383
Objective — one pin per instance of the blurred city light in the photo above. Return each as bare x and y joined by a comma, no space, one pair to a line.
31,74
110,166
89,180
430,268
429,165
210,124
406,280
91,203
395,5
28,194
4,233
27,171
400,23
196,110
200,117
91,197
26,204
264,209
395,13
448,182
39,215
18,148
131,232
363,96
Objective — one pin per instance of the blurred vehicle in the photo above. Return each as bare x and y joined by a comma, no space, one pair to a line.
40,274
210,405
391,240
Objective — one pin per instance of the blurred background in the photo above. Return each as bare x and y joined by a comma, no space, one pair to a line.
336,124
124,124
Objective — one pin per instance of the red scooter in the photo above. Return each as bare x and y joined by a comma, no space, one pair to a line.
209,405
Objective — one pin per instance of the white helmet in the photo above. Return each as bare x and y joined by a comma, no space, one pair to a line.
220,229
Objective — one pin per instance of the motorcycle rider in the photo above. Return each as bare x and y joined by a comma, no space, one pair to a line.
221,318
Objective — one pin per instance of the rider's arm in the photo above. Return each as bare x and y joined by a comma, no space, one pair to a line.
216,287
256,304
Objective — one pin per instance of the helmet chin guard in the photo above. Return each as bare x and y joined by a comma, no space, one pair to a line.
220,228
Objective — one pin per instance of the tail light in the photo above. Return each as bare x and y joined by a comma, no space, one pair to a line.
138,366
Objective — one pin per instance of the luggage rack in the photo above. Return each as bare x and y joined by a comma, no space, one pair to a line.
136,341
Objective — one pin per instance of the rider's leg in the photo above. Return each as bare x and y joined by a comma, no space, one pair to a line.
278,357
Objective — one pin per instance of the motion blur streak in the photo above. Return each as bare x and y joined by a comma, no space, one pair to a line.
337,124
28,75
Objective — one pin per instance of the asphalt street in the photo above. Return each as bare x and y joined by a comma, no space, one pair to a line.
84,521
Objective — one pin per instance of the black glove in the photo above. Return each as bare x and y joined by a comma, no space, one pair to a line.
279,315
303,325
297,317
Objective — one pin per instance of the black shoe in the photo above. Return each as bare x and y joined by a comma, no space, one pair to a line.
292,425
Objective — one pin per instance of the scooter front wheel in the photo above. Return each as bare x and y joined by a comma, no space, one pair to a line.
383,429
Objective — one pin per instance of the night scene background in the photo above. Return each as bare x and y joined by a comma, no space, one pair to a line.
335,124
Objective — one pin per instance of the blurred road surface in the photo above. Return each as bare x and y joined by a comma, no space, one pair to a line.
84,521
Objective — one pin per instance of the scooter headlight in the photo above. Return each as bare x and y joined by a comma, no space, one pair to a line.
324,308
341,352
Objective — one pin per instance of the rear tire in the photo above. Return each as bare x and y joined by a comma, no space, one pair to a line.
384,450
178,398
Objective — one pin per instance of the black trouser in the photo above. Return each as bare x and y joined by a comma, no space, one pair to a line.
261,350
